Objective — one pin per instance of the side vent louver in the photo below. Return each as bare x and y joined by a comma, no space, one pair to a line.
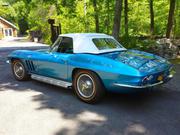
30,65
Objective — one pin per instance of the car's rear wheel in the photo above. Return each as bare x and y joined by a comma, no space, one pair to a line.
19,71
88,86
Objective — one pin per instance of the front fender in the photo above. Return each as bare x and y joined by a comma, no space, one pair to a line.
20,54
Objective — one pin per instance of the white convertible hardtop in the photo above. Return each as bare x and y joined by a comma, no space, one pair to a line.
82,42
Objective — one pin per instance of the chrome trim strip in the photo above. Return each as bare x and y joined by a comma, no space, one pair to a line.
131,86
51,81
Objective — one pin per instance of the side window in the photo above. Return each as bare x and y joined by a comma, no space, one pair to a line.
66,45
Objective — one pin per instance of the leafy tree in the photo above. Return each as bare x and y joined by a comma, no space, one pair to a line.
177,20
21,10
96,16
7,11
129,18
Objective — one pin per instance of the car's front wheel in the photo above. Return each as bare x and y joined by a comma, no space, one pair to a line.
19,71
88,86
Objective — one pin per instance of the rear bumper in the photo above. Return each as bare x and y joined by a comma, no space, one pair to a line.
143,86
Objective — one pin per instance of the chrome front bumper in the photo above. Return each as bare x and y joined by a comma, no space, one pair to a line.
143,86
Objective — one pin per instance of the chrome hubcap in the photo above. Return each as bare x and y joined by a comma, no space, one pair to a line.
85,85
19,69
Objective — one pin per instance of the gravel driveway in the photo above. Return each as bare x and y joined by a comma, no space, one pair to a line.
35,108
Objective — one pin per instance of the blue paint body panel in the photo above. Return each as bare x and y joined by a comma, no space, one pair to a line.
127,67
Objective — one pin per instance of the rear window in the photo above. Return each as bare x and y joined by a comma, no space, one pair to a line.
106,43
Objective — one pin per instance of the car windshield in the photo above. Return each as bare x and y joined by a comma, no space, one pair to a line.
106,43
55,45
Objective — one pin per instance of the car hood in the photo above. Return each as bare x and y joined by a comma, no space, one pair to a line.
144,62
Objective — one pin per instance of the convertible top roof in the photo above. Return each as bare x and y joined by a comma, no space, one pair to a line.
75,35
82,42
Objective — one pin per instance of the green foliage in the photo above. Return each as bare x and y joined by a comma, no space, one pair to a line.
161,16
78,16
138,43
38,18
175,61
177,20
7,12
21,16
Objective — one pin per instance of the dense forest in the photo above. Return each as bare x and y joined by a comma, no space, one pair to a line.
127,20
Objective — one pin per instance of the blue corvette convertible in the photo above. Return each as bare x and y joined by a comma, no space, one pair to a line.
91,63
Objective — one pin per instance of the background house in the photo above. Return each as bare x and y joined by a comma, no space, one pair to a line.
7,29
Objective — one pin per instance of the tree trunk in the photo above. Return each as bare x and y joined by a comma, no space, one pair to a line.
85,18
108,16
151,17
176,30
57,5
96,16
126,17
117,19
170,18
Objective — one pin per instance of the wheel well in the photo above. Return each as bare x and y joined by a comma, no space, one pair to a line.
13,59
77,69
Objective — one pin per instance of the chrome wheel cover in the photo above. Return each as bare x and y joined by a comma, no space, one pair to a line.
85,85
18,70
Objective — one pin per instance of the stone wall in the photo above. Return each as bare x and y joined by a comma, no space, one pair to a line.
167,48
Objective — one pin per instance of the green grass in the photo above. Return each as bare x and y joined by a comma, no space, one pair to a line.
175,61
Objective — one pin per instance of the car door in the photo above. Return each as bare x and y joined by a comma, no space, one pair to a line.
56,61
